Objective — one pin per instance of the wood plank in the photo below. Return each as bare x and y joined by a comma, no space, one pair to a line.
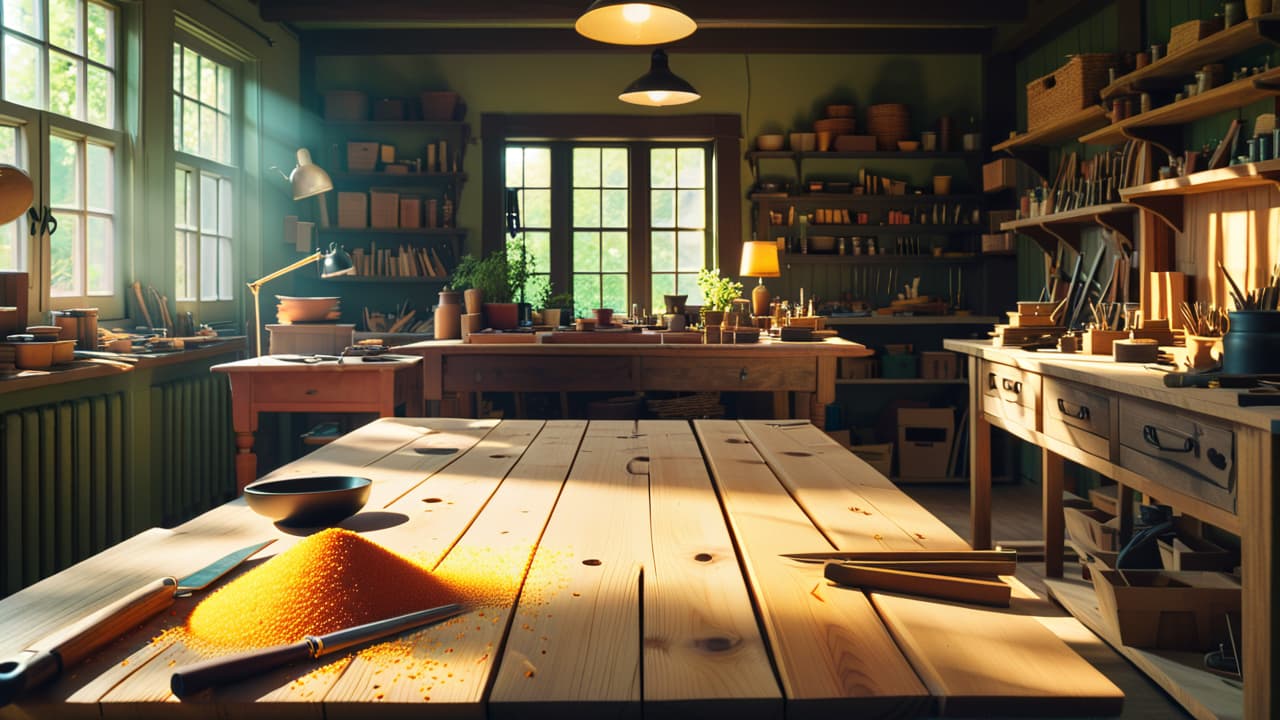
454,661
856,507
982,662
968,590
1204,695
703,652
831,651
574,647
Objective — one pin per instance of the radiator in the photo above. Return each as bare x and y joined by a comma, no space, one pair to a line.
192,446
65,494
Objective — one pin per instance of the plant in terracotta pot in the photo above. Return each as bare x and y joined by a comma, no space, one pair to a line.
563,303
490,276
718,294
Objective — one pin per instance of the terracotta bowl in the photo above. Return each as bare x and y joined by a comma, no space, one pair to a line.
908,145
305,309
308,501
769,142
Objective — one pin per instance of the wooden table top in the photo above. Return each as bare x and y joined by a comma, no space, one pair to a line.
271,363
766,347
635,568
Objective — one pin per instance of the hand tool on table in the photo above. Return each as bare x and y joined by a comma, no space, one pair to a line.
192,679
1006,559
49,656
945,587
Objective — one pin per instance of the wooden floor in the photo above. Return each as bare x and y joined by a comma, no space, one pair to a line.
1016,516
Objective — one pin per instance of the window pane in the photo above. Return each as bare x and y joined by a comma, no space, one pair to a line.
208,268
63,89
11,234
100,35
208,133
225,227
190,127
614,162
64,266
613,292
190,78
181,193
586,167
537,167
208,204
662,251
208,82
22,78
64,24
662,168
687,284
100,254
661,284
586,252
183,286
535,208
613,252
224,269
691,249
64,172
222,153
224,89
101,178
99,96
515,166
177,68
586,292
693,170
586,208
662,208
22,15
614,208
693,208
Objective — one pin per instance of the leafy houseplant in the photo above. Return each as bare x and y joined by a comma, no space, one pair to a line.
718,292
489,275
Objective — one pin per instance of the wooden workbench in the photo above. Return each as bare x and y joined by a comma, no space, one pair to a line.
1194,449
454,370
636,570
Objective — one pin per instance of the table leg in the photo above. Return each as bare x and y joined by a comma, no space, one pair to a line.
979,464
1125,497
804,403
246,460
1052,471
781,406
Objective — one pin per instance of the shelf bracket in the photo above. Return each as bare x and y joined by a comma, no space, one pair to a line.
1121,227
1036,158
1166,207
1165,137
1047,240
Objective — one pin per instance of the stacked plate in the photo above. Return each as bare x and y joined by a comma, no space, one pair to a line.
307,309
889,123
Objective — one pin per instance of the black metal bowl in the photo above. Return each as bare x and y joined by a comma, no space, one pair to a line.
308,501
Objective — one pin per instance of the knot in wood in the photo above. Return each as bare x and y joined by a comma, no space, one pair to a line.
717,644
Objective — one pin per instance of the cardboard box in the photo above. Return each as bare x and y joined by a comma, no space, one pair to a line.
878,456
384,209
1168,610
310,339
410,211
353,210
362,156
1000,174
1093,532
938,365
924,438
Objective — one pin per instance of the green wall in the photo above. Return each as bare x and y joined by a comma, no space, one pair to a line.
772,93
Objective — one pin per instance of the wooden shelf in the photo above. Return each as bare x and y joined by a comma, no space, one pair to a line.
399,232
901,381
881,259
1203,694
1163,126
1172,70
1165,197
914,320
863,200
1049,230
1068,128
454,125
423,279
383,178
862,155
848,230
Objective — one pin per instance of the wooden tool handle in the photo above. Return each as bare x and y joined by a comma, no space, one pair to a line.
49,656
192,679
967,590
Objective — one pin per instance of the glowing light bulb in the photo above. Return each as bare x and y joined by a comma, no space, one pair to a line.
636,13
658,96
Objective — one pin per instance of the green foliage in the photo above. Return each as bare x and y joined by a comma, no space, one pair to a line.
488,275
718,292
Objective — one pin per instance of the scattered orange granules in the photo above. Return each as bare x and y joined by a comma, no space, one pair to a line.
332,580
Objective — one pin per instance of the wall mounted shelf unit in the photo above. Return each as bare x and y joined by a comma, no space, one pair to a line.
1165,197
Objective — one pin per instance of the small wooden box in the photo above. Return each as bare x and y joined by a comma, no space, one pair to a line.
1167,610
1099,342
1184,35
384,209
1000,174
362,156
310,339
410,211
353,210
858,368
938,365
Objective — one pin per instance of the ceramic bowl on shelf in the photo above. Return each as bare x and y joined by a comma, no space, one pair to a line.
908,145
308,501
305,309
769,143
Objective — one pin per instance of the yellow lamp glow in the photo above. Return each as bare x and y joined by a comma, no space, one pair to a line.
760,260
653,22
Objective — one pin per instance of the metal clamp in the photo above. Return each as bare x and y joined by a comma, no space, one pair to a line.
1081,414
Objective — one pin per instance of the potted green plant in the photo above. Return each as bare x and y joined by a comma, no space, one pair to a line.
562,303
718,294
490,278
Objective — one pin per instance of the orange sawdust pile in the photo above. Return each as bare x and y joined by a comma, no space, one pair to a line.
332,580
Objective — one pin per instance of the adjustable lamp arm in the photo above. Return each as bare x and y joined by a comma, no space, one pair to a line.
255,287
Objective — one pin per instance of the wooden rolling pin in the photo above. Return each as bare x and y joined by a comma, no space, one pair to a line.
966,590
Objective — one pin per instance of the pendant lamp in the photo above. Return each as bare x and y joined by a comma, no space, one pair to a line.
652,22
659,87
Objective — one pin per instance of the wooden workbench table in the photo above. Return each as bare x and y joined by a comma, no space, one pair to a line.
635,570
454,370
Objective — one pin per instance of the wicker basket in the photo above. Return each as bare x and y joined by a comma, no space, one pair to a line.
1072,88
1191,32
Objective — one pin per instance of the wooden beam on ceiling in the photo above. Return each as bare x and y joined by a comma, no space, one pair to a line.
1047,20
778,41
709,13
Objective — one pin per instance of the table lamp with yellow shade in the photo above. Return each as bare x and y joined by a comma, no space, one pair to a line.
760,260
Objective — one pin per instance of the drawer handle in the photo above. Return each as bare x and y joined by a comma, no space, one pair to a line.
742,375
1013,386
1152,435
991,381
1217,459
1082,413
311,391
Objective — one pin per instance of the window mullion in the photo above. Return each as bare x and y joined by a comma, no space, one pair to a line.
562,216
639,235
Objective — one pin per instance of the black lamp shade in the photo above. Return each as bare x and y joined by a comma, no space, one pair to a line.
336,262
659,87
634,22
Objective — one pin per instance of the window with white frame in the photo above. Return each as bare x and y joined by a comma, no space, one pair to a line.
13,245
60,56
205,173
82,198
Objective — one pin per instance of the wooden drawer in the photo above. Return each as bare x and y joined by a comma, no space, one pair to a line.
1011,394
669,373
1078,415
305,387
553,373
1179,450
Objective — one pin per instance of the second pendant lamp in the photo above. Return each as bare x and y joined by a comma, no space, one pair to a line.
659,87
